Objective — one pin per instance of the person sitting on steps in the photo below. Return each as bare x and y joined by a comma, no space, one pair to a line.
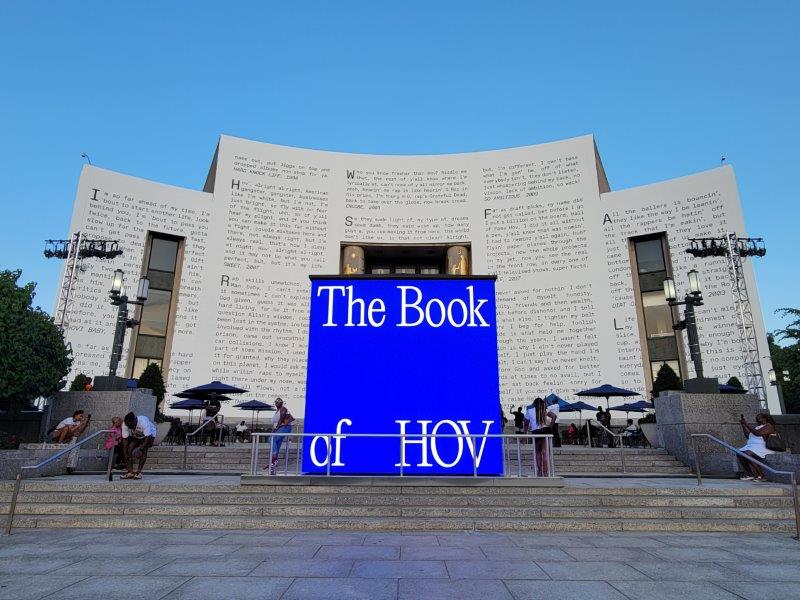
756,445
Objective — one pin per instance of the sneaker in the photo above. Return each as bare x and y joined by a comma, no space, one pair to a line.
759,480
746,478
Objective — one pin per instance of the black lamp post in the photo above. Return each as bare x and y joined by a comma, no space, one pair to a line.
120,299
692,299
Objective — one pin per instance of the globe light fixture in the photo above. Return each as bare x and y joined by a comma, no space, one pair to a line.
694,282
669,289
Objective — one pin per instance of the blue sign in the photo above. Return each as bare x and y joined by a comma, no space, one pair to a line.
403,355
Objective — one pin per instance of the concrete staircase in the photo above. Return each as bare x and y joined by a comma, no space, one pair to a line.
159,502
569,460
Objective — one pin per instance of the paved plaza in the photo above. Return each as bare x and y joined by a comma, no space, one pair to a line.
291,565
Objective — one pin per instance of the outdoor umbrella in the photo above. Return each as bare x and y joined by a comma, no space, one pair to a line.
641,406
190,405
255,406
724,388
215,387
577,407
561,402
607,391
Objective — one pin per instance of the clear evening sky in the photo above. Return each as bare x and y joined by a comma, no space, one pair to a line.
145,88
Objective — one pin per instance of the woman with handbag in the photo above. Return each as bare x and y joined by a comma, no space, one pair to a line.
757,437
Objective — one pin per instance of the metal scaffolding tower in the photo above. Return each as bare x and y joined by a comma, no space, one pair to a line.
736,249
74,250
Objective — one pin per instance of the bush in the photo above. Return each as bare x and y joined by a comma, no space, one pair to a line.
648,418
79,383
734,382
666,380
152,378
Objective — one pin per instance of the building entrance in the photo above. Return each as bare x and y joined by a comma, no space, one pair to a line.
406,259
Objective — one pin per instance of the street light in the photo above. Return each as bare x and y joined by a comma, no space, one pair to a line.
778,379
692,299
119,298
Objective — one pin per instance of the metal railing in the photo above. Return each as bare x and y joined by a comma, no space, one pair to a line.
71,448
737,452
612,434
198,430
329,437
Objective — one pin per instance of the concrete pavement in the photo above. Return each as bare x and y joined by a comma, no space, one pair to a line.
292,565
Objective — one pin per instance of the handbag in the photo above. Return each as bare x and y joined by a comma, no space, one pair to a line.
775,443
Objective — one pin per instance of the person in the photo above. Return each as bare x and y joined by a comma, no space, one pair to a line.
572,433
503,420
629,433
601,435
519,420
553,414
138,434
607,425
241,431
536,423
88,386
71,428
756,445
114,443
281,423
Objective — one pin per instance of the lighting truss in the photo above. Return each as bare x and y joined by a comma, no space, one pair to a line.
74,250
736,249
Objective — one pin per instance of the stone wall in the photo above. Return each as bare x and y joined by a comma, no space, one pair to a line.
789,428
102,406
680,414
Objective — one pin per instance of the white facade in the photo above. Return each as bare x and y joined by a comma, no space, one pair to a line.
539,217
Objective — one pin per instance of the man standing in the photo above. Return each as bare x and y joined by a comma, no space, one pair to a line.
138,433
519,420
281,423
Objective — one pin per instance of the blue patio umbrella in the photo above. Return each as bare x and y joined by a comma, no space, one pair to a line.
640,406
215,387
255,406
191,405
607,391
561,402
578,406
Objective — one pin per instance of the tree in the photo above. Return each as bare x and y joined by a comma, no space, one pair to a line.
666,379
787,358
734,382
34,360
792,330
152,378
79,383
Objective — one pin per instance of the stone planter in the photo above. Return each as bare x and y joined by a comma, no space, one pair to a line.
162,429
650,431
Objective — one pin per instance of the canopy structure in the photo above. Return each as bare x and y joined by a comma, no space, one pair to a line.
215,387
255,406
607,391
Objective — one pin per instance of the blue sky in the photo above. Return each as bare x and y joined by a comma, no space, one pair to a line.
145,88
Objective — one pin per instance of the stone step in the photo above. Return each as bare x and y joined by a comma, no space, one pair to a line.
404,523
234,499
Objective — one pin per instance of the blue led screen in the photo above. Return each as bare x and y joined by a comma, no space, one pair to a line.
392,355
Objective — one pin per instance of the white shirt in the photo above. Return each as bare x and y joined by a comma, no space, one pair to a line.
530,416
144,428
555,409
68,422
240,428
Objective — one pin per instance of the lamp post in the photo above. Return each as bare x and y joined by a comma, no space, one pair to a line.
119,298
692,299
778,380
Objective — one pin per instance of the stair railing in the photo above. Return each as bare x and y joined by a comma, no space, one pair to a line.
737,452
612,434
71,448
198,430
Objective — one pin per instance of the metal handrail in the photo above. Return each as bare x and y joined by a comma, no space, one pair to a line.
612,434
72,447
736,451
195,432
402,436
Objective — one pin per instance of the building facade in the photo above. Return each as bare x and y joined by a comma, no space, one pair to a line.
580,267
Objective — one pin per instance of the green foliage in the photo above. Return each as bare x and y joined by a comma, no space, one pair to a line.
787,358
79,383
667,379
152,378
648,418
34,359
792,330
734,382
